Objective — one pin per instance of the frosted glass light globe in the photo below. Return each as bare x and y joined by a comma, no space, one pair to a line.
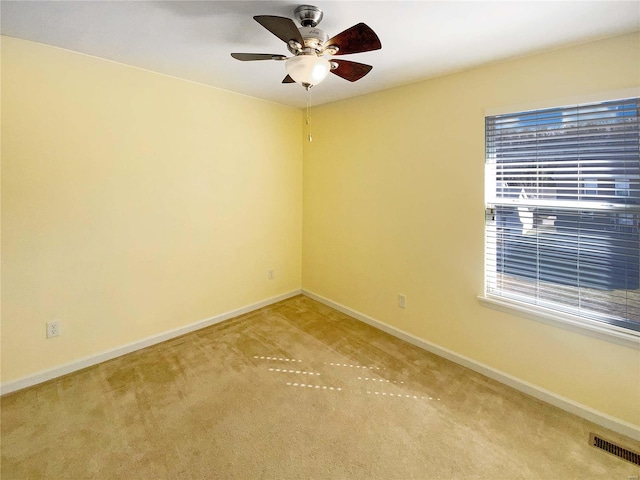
308,69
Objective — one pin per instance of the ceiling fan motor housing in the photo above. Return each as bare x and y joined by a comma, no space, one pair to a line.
314,39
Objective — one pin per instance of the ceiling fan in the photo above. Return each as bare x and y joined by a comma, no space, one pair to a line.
309,45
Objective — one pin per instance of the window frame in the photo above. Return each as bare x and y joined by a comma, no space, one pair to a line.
583,325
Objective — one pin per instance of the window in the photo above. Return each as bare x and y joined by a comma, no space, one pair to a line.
563,211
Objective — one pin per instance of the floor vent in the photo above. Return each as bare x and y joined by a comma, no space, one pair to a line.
613,449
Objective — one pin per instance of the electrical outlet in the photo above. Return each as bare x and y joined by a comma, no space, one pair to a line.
53,329
271,274
402,301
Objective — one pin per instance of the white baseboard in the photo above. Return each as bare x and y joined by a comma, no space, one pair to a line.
588,413
85,362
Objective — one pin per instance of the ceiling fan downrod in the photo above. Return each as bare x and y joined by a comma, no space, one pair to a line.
308,15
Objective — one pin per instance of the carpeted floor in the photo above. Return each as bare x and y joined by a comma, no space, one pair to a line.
292,391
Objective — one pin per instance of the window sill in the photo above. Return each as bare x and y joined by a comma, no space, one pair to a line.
591,328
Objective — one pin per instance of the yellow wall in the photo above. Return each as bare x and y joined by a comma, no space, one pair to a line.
135,203
393,203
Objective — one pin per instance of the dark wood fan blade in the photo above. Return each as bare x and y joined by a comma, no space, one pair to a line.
245,57
357,39
288,79
281,27
351,71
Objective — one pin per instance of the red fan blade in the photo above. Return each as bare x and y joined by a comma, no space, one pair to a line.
357,39
351,71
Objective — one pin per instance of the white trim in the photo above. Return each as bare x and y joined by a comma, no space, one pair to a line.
575,408
592,328
606,96
91,360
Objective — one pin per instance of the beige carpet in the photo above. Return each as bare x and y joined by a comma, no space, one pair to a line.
292,391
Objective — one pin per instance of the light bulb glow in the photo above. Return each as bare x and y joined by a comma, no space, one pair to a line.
308,69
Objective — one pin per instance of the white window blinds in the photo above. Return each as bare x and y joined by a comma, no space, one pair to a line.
563,210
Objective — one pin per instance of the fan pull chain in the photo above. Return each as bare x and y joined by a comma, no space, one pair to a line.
309,113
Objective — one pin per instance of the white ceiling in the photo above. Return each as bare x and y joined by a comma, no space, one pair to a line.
420,39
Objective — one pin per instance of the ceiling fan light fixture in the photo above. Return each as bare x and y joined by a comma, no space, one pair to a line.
308,44
308,69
